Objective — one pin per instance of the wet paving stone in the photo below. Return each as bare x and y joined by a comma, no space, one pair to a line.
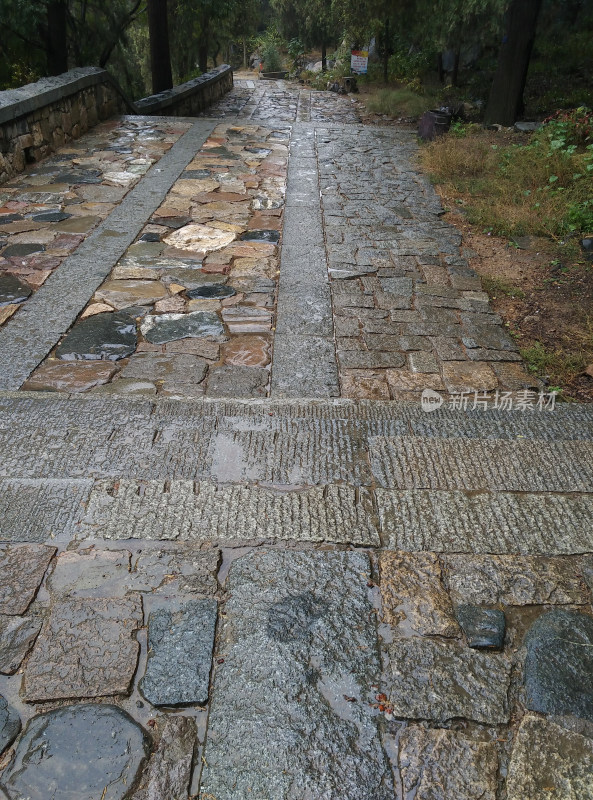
211,290
413,595
168,773
180,644
12,290
10,724
233,381
87,752
175,570
102,336
267,236
513,580
247,351
442,764
297,637
50,216
17,636
559,664
174,368
87,648
124,293
90,573
433,680
22,568
22,250
484,628
170,327
59,376
550,761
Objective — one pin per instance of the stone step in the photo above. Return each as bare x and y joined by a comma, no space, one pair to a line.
366,474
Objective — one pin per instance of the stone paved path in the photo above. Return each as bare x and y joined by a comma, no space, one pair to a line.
237,557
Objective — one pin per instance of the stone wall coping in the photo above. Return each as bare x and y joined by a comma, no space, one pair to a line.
15,103
155,102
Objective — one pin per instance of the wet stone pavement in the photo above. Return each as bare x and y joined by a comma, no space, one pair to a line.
237,558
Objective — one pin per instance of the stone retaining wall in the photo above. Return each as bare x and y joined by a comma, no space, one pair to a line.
37,119
189,98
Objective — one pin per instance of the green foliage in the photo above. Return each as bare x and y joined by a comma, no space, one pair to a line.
272,62
407,64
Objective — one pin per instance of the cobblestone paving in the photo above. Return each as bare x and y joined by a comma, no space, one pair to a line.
197,290
48,211
223,598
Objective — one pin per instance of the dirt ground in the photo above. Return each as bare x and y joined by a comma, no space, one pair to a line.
543,296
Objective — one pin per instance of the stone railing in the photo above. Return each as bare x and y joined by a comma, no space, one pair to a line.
189,98
37,119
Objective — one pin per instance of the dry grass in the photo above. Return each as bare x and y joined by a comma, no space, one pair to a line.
508,189
399,102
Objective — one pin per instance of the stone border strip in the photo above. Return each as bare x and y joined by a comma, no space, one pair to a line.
206,511
30,334
304,362
501,522
41,510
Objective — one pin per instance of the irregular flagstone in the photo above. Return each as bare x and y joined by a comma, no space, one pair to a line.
200,238
549,761
17,636
91,752
175,368
168,773
60,376
247,351
10,724
210,512
180,644
90,573
170,327
100,337
211,290
6,312
247,319
124,293
296,638
559,664
414,597
442,765
433,680
22,568
12,290
87,648
514,580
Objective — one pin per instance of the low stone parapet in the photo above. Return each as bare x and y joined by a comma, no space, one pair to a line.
37,119
189,98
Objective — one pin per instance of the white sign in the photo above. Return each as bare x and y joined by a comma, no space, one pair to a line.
359,61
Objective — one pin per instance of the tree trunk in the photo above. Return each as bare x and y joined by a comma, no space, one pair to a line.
203,45
505,103
455,76
56,45
160,55
323,56
386,51
244,53
440,68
